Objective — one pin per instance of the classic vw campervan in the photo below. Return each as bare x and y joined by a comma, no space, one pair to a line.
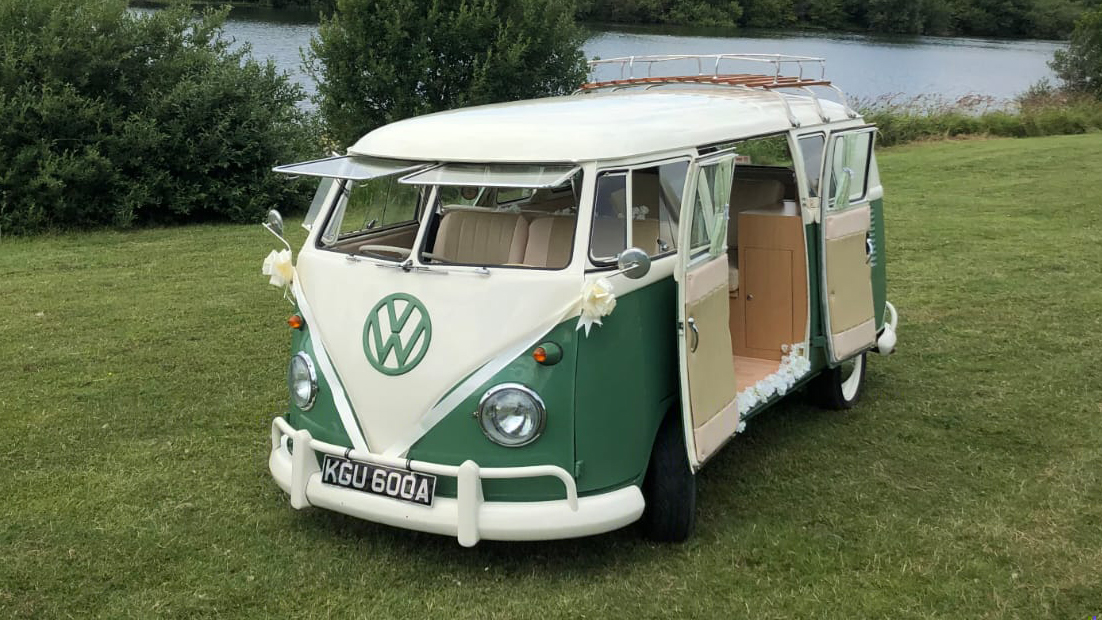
539,319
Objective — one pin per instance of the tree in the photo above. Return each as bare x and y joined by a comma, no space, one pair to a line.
1080,66
378,61
112,119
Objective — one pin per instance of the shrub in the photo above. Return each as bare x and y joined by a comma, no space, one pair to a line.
1080,66
108,118
378,61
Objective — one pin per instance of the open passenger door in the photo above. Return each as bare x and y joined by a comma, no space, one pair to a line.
708,389
850,317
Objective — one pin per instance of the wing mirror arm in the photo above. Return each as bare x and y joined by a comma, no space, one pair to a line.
274,225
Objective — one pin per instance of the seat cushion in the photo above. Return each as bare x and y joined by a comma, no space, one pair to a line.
481,237
550,240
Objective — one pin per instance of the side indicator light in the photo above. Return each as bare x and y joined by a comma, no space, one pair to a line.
547,353
295,321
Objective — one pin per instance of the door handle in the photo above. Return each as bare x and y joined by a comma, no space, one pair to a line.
696,335
868,250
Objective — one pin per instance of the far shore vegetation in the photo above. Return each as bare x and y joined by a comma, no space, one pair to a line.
1034,19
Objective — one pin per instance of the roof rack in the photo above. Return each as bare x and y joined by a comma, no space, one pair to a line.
788,72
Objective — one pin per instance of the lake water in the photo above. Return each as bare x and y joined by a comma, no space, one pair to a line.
866,67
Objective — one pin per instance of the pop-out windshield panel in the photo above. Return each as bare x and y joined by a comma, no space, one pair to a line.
355,167
531,176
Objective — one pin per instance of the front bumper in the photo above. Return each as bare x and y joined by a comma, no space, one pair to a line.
468,516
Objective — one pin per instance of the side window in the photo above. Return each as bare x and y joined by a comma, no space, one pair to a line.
377,203
609,235
849,169
321,197
812,149
655,196
656,203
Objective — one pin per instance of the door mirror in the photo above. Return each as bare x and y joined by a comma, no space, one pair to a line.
274,223
634,263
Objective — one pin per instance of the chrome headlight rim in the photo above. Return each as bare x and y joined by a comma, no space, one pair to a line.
313,375
540,408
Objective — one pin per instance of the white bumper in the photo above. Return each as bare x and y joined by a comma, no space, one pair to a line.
885,342
467,517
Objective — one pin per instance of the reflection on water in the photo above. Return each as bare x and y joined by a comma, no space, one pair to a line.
866,67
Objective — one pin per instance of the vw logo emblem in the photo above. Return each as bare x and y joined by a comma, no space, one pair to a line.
397,334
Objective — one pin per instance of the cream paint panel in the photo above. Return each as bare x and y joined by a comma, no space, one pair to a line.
849,283
849,222
711,367
475,319
854,340
715,432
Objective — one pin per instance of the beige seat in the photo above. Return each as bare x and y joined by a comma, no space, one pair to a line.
481,237
550,241
748,195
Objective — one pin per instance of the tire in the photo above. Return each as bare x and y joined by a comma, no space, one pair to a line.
840,387
670,486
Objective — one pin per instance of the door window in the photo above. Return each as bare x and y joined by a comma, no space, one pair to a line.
849,169
711,207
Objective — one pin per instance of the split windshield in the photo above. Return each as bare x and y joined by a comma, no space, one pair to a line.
520,216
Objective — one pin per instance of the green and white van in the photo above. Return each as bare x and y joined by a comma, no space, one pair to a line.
539,319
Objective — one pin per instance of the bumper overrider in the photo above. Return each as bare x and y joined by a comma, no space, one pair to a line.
468,516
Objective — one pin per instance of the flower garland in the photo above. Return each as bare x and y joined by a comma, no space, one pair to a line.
794,365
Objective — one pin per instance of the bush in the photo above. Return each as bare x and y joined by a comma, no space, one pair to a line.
112,119
1042,111
1080,66
378,61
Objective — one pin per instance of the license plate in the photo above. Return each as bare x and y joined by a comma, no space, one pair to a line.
408,486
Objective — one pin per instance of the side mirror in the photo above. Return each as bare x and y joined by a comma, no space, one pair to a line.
634,263
274,223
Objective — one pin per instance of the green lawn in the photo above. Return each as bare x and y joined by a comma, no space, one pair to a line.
140,371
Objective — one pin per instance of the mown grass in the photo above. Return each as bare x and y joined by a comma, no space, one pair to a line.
140,371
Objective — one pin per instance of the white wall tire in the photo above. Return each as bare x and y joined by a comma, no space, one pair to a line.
840,387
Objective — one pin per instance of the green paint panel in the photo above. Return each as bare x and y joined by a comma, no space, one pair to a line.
458,437
879,262
627,381
323,421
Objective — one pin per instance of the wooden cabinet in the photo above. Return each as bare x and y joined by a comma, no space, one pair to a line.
769,309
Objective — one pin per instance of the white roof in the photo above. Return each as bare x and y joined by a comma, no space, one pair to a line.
596,126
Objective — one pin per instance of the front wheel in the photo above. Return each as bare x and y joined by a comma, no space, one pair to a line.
670,486
840,387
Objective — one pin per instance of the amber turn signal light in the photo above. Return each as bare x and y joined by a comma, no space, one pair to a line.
295,321
547,354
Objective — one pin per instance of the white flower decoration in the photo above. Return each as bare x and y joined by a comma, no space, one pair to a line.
279,268
598,300
794,365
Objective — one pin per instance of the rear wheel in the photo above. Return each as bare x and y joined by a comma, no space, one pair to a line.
840,387
670,486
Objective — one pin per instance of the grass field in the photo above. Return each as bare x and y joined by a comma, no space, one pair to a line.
140,372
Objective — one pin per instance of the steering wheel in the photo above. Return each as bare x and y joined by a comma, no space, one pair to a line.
401,253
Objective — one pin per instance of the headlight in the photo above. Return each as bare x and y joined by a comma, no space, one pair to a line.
302,381
511,415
